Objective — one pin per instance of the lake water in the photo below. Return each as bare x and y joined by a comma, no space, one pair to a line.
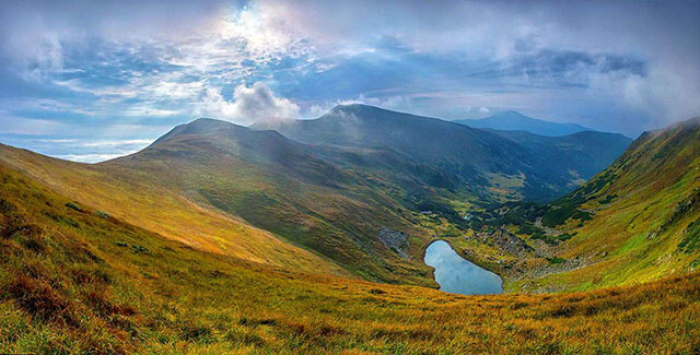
457,275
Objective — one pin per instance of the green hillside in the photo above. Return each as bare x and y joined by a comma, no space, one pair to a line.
290,189
636,221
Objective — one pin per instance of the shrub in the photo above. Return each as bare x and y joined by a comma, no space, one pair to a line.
74,207
564,237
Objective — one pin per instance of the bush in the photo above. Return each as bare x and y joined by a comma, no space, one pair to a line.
74,207
564,237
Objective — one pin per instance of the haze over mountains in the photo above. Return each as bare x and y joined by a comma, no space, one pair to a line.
515,121
467,157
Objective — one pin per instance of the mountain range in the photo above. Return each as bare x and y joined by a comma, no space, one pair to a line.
273,238
329,185
515,121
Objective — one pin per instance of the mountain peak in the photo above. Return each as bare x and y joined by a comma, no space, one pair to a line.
354,109
198,126
510,113
516,121
209,123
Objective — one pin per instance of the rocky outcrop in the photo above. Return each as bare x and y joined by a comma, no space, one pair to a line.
395,240
507,242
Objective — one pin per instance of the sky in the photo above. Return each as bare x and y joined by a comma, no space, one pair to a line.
90,80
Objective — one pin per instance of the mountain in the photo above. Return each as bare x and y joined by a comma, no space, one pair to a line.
75,279
485,163
334,187
132,196
515,121
254,195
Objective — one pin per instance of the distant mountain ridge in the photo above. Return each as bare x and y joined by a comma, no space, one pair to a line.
470,155
587,152
515,121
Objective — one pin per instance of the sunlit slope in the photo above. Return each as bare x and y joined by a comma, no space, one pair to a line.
76,281
638,220
132,196
303,193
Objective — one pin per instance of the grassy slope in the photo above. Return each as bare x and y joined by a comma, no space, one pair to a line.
277,185
128,196
76,281
206,182
643,207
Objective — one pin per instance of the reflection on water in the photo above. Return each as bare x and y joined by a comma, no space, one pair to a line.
457,275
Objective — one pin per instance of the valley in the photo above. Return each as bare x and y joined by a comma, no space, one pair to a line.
80,281
214,211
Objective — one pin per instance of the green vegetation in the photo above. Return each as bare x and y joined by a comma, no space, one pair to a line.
691,238
649,231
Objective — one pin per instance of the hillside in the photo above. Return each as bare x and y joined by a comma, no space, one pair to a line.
636,221
74,280
129,196
587,153
515,121
290,189
342,196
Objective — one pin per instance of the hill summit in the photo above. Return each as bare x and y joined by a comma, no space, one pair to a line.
515,121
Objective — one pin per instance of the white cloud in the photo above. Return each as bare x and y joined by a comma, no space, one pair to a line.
248,105
117,143
91,158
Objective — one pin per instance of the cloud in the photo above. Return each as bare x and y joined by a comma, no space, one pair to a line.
623,66
91,158
36,36
664,36
249,104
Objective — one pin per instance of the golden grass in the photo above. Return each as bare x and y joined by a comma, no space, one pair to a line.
129,196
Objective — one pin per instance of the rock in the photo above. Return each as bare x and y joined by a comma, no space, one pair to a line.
395,240
507,242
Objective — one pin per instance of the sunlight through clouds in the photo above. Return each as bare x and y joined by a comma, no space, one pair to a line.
108,65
